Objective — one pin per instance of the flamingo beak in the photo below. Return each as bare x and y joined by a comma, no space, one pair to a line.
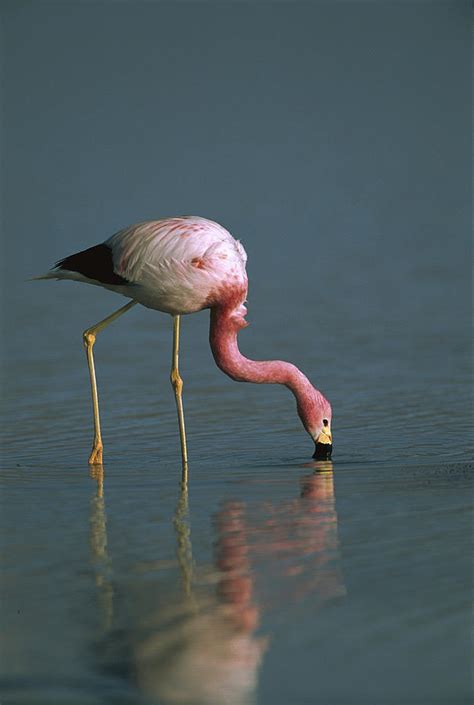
323,443
322,451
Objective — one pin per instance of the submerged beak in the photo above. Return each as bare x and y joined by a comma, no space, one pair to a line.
323,443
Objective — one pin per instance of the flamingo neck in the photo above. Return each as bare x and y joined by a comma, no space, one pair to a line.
225,325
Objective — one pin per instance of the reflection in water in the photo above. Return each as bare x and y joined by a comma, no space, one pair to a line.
204,650
98,547
292,545
203,647
183,533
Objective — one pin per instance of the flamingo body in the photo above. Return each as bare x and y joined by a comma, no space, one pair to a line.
175,265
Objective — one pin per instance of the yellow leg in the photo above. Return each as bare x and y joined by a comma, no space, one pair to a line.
177,384
89,336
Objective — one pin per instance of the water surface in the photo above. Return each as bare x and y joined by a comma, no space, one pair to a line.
277,579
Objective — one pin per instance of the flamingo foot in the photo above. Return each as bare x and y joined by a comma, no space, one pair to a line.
95,457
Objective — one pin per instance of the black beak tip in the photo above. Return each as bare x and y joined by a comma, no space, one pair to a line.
322,451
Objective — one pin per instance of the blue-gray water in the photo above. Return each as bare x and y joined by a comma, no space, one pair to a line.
333,140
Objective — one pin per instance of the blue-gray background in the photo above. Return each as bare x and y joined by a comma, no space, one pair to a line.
333,139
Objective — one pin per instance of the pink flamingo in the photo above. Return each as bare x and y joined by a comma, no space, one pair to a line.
182,265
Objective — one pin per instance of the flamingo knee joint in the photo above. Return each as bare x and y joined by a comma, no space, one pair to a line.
176,381
88,338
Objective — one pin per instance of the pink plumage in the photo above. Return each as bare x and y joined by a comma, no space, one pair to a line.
185,264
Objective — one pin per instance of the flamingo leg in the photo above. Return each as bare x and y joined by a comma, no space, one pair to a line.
177,384
89,337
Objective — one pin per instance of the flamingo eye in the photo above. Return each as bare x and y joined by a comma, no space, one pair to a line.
325,422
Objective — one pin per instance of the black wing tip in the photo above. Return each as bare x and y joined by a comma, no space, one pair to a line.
94,263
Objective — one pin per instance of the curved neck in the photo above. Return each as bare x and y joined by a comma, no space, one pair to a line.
225,325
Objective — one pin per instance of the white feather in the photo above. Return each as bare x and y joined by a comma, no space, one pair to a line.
172,265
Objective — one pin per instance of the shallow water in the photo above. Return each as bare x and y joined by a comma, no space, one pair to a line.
278,579
333,139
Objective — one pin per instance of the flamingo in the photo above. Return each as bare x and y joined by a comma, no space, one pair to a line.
181,265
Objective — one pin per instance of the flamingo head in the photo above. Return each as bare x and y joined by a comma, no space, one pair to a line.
323,442
315,413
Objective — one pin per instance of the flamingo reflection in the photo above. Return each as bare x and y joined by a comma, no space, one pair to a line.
205,651
205,646
98,549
